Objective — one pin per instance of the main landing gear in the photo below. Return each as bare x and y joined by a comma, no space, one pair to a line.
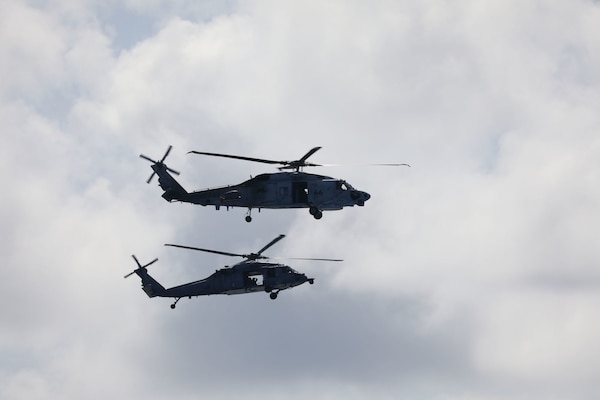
315,212
273,295
248,216
174,304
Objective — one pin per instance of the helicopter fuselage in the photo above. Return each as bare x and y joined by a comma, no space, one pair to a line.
245,277
296,189
272,191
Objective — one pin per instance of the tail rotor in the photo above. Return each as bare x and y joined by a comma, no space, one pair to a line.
140,266
160,163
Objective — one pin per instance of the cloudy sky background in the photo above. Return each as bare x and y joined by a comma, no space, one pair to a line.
472,275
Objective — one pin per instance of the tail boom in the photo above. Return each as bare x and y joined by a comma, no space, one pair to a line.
173,190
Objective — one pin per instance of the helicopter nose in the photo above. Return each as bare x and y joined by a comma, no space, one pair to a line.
307,279
364,196
300,279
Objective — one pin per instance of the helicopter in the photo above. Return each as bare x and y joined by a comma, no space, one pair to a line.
248,276
289,188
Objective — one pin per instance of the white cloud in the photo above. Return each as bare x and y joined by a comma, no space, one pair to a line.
30,35
469,275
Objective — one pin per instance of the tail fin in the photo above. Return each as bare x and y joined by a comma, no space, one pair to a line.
173,190
149,284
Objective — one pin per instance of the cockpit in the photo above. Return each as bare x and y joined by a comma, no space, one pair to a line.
343,185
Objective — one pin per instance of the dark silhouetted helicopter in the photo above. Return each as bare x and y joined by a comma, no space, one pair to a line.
248,276
285,189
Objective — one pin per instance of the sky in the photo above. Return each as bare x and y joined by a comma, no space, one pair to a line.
472,275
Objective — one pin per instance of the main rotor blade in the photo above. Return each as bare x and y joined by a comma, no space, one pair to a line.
167,153
306,259
271,243
365,165
286,164
310,153
206,250
260,160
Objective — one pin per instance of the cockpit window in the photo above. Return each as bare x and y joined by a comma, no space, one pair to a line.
341,185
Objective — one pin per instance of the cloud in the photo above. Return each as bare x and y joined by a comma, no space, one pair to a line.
469,275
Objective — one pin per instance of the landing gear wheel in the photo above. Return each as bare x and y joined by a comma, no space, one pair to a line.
313,210
318,215
248,218
175,303
273,295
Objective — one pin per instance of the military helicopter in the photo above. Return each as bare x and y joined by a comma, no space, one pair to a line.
248,276
285,189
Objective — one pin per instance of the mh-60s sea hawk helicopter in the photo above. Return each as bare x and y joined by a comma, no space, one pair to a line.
248,276
285,189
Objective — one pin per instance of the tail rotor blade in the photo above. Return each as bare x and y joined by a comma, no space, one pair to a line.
150,263
151,176
166,154
136,261
148,158
161,163
171,170
129,274
140,266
